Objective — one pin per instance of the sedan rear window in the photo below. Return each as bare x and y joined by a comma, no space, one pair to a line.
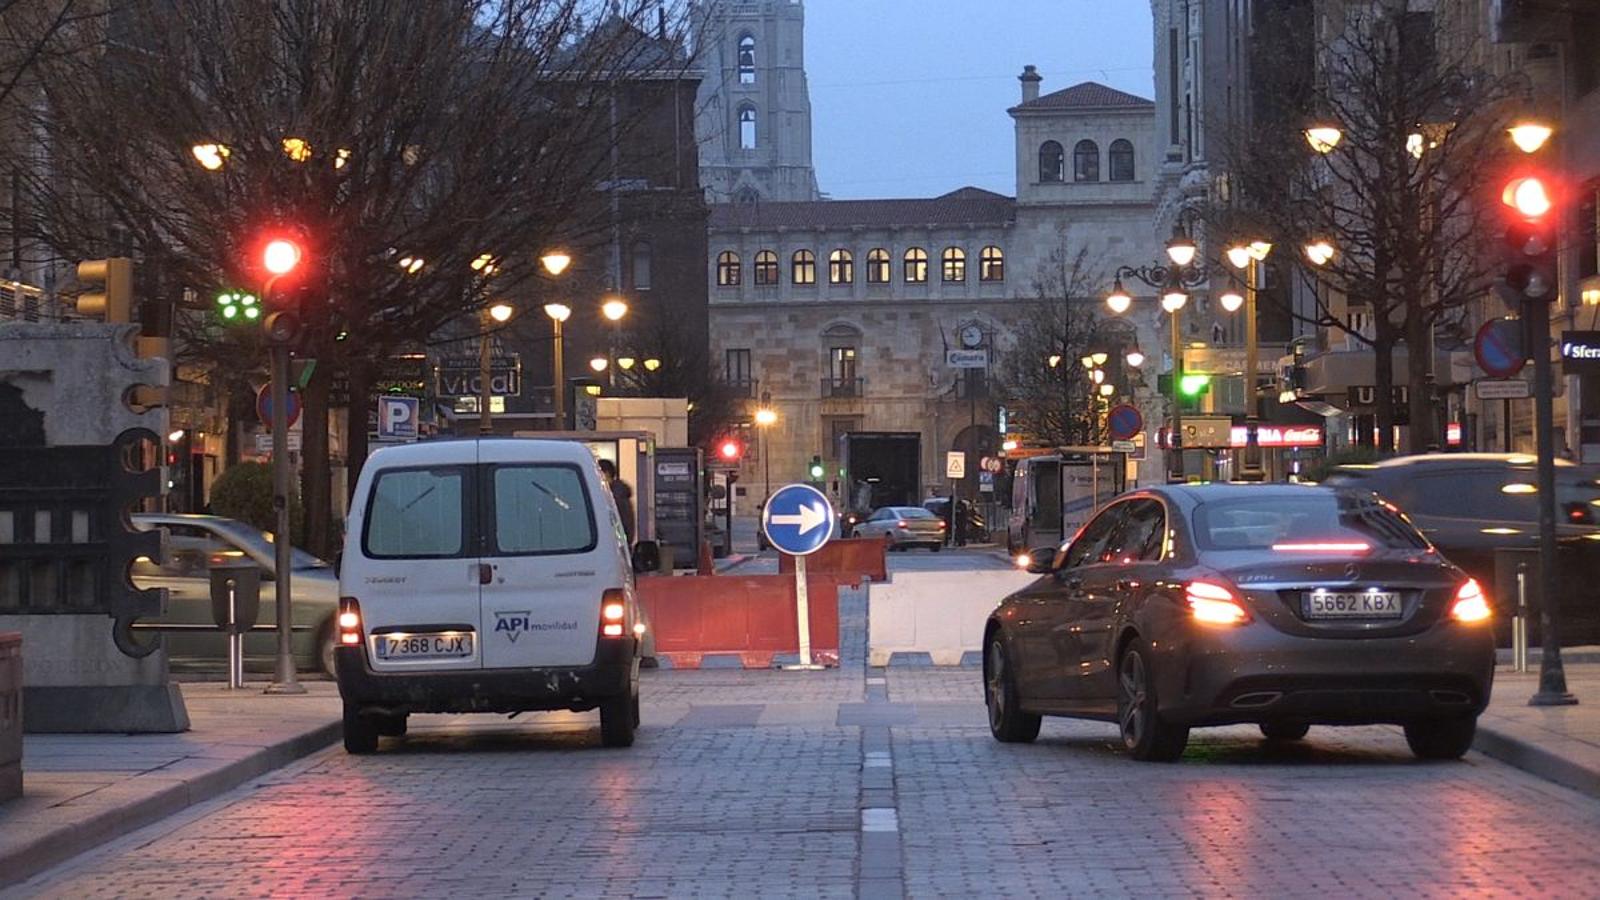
915,513
1310,522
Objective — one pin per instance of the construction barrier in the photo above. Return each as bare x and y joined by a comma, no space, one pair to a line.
749,621
935,617
848,561
10,715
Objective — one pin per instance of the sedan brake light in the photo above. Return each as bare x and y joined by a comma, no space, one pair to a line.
1471,605
1324,547
349,621
1214,604
901,523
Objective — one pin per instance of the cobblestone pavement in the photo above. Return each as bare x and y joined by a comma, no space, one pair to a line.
861,783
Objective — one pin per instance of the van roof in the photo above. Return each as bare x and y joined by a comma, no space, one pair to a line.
459,450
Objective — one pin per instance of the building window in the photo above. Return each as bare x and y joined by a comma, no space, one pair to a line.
736,367
766,267
1052,162
641,266
727,269
842,378
991,264
747,60
916,266
803,267
878,266
747,196
1121,160
1086,161
954,264
747,127
841,267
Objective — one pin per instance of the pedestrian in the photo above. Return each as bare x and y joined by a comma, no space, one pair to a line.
622,493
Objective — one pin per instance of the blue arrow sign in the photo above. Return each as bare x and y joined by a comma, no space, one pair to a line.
798,519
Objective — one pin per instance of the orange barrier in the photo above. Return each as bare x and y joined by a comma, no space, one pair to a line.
749,621
848,561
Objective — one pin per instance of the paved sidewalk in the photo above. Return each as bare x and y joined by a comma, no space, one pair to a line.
82,790
1556,743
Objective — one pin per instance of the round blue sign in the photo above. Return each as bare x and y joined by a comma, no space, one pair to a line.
1498,348
1123,422
264,405
798,519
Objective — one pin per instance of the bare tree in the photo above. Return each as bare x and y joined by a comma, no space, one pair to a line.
464,137
1399,198
686,370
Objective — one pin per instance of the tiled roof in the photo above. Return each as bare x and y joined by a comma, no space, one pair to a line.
959,207
1086,95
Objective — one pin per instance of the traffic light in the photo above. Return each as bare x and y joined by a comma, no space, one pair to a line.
114,301
730,451
238,308
817,469
281,259
1529,272
1193,385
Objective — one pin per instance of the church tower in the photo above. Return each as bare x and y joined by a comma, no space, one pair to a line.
753,117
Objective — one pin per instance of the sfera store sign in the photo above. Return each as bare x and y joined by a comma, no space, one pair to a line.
1580,352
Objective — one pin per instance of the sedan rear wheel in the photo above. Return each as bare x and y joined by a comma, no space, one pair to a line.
1145,735
1284,731
1007,722
1441,738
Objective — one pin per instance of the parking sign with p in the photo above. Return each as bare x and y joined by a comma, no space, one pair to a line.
397,418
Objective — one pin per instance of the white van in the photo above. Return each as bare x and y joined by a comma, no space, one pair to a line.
485,575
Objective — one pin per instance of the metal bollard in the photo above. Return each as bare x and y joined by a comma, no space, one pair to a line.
1519,622
235,639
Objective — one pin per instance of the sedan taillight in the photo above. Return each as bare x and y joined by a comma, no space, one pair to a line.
349,622
1214,604
1471,605
901,523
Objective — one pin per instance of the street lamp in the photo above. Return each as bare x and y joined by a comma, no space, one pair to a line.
1118,299
1320,252
499,313
1107,390
766,417
555,262
1323,137
1249,256
614,309
599,363
211,157
1530,136
1180,247
1053,360
651,364
1135,359
1231,300
1174,299
558,313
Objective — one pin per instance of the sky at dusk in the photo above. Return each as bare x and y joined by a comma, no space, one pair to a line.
909,97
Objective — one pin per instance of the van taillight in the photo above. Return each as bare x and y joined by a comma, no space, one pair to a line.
613,610
349,622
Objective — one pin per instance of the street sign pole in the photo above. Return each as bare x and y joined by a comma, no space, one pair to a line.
1552,675
798,520
802,606
283,681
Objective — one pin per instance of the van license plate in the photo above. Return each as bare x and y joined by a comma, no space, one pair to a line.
1352,605
443,645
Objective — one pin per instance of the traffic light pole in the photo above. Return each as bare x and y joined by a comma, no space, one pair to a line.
1175,439
283,681
1552,675
1252,469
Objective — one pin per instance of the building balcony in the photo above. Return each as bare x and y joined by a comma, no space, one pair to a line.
843,388
748,388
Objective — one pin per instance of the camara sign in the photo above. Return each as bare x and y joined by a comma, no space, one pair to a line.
1580,352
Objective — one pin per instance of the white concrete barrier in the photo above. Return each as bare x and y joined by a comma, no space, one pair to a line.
939,614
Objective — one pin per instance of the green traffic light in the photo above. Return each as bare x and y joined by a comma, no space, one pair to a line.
1193,385
230,311
251,313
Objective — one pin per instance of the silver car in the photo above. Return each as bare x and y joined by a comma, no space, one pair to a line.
904,526
194,544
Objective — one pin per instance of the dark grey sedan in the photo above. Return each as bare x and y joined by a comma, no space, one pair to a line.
1282,605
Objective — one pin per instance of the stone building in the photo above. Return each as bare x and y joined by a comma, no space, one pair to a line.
839,314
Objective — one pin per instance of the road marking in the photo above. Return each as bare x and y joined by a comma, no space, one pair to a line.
878,759
880,819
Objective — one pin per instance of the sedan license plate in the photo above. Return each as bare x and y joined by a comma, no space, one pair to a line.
1352,605
442,645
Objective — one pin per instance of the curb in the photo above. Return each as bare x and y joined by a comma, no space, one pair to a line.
1535,760
55,847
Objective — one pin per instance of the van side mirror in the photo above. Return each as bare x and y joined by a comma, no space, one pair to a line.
646,556
1042,560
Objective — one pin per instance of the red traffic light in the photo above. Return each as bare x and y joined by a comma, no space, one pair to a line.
730,450
280,256
1528,195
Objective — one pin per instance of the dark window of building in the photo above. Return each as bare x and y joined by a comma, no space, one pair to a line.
842,366
747,60
954,264
878,266
747,127
841,267
1172,85
915,266
1052,162
1086,161
766,267
641,266
737,367
803,267
1121,159
728,269
1589,230
991,264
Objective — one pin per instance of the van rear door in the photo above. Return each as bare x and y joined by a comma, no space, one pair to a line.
551,550
417,575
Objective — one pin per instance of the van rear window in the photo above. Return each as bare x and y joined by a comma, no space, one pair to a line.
541,509
417,513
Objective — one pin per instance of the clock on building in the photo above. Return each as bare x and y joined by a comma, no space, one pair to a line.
971,337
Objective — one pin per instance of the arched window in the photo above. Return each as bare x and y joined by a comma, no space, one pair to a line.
878,266
747,196
747,127
641,266
727,269
803,267
915,266
991,264
1052,162
1086,161
747,59
841,267
1121,157
954,264
766,267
